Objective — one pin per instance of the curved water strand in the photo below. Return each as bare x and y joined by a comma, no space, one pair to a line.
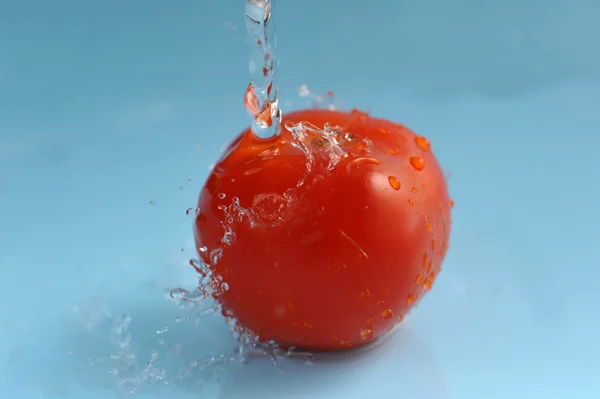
261,97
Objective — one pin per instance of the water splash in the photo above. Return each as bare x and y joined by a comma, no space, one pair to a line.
324,150
317,100
114,331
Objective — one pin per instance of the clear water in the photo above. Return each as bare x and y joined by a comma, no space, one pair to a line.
261,98
107,131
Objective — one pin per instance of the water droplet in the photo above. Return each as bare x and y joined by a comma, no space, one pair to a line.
419,278
221,196
428,283
427,225
451,203
345,342
394,182
151,203
362,116
393,151
387,314
203,249
411,202
367,334
354,141
370,321
432,244
444,248
192,211
413,189
425,258
417,162
410,299
423,143
399,319
380,302
361,161
303,91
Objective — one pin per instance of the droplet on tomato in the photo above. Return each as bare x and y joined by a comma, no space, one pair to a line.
425,259
444,248
417,162
387,314
411,202
394,182
423,142
451,203
427,225
411,298
419,278
428,283
362,116
361,161
221,196
367,334
413,189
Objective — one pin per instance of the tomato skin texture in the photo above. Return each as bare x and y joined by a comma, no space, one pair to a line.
338,260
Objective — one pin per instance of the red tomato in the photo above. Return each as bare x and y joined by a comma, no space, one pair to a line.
325,247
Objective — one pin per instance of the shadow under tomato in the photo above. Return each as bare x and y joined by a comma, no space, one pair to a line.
401,366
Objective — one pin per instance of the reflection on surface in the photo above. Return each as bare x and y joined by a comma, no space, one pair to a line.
160,351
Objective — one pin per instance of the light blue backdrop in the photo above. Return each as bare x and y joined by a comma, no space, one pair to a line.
107,106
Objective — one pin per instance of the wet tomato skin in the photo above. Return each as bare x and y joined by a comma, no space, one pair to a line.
338,260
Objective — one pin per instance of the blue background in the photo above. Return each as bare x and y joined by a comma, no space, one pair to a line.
108,106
